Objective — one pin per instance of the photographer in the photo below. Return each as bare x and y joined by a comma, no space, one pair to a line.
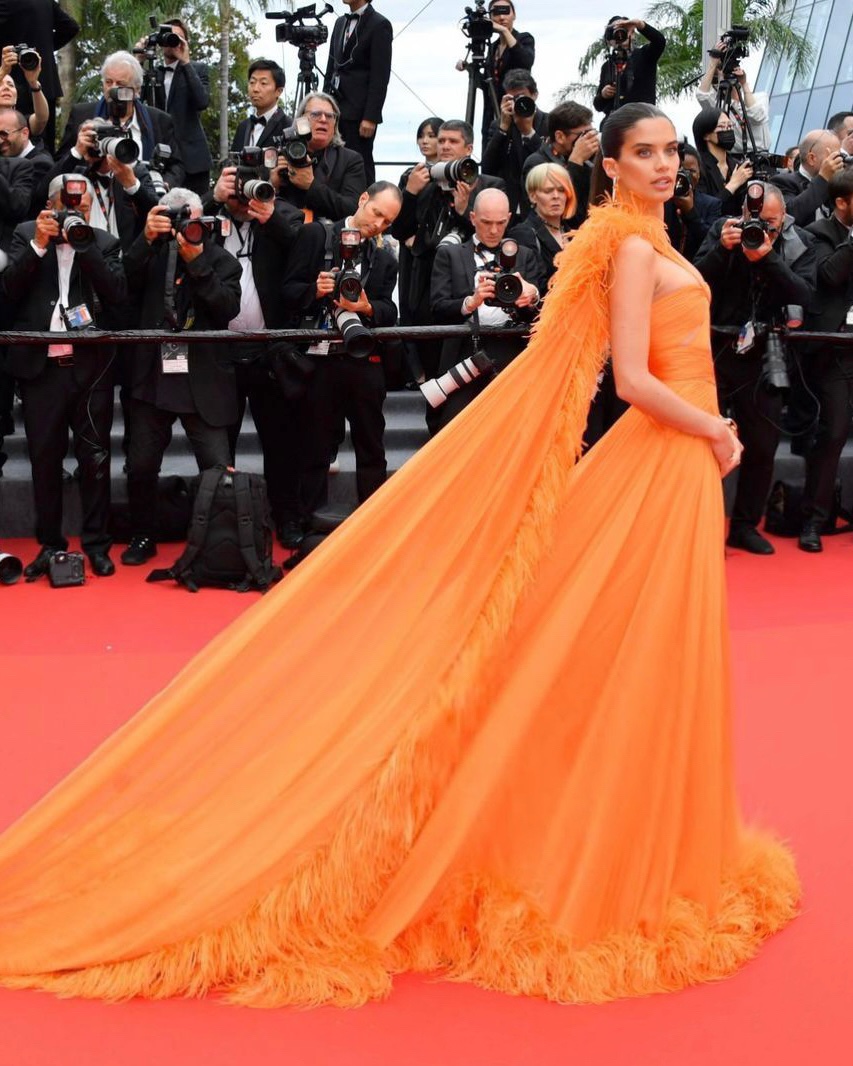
46,27
357,75
689,214
841,124
432,211
268,119
572,143
260,239
183,286
751,288
830,366
346,383
806,190
16,143
722,175
628,75
516,136
186,93
463,288
60,280
146,125
329,183
757,105
38,119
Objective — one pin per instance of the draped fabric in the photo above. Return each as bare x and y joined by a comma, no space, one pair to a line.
483,731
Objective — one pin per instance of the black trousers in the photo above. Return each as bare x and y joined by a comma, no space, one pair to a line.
605,409
831,375
276,420
348,128
60,399
150,433
758,413
342,388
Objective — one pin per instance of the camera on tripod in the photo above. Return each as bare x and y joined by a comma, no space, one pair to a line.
293,28
508,285
28,57
293,143
477,26
449,174
734,48
74,230
252,165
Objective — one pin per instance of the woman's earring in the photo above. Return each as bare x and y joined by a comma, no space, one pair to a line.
615,187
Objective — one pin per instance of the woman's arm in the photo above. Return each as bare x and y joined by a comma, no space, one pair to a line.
631,296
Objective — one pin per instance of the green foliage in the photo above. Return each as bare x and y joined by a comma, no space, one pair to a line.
680,21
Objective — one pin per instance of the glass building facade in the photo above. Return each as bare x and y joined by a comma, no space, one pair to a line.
800,104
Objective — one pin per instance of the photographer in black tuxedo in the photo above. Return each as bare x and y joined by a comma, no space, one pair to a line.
515,137
348,381
752,281
628,75
830,367
184,285
57,285
357,75
464,288
260,237
267,118
147,125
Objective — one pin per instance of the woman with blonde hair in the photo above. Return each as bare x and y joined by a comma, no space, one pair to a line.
553,201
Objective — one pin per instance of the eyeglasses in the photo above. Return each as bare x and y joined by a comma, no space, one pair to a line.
330,115
6,134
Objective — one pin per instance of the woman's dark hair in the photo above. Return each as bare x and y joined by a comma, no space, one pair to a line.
433,123
705,123
618,122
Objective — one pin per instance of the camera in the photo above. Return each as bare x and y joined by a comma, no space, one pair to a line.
73,227
117,142
119,102
357,338
250,177
293,143
348,280
477,26
159,161
754,228
508,285
28,58
764,164
436,390
294,30
774,364
162,36
191,229
616,36
448,175
524,106
683,177
734,48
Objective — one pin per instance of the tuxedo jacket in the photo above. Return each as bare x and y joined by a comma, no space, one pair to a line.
362,66
16,195
211,285
834,295
43,163
533,234
339,180
377,266
274,126
31,283
453,275
46,27
803,198
162,131
189,95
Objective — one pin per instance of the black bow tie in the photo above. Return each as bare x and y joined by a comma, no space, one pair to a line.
258,120
351,17
103,180
484,249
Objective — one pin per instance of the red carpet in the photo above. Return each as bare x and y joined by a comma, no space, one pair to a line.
77,662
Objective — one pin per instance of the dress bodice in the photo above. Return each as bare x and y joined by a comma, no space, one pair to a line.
680,346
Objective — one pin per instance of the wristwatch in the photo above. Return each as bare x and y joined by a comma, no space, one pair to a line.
35,88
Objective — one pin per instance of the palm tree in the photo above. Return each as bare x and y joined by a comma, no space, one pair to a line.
680,21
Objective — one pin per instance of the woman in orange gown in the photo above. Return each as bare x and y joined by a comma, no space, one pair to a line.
542,800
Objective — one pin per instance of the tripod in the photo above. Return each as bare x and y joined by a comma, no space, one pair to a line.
307,80
478,78
727,88
153,91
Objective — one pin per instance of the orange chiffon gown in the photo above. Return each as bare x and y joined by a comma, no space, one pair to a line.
483,732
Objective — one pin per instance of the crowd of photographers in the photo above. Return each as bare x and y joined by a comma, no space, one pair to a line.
126,224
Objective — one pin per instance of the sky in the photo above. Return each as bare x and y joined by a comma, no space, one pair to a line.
424,80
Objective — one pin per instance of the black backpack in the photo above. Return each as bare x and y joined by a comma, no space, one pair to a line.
230,537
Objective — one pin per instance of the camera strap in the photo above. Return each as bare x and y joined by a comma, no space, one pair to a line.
173,318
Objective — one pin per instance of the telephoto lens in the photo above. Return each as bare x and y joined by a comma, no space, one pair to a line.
258,189
774,367
11,568
28,58
357,338
524,106
450,173
508,285
436,390
124,149
683,184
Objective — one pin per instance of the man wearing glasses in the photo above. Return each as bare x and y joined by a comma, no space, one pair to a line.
333,179
572,142
15,143
751,287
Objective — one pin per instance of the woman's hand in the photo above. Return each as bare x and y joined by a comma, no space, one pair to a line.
727,448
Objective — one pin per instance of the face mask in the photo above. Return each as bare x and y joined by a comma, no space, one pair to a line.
726,139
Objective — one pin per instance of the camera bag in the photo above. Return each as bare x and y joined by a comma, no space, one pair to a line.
230,536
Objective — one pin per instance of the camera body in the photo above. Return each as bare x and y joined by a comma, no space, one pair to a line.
117,142
159,161
348,280
477,27
449,174
524,106
252,166
508,285
683,177
735,43
754,228
193,230
293,29
293,143
616,36
163,35
28,57
73,227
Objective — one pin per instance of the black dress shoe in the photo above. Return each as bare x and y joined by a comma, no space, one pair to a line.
810,537
101,564
40,565
291,534
139,551
750,540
